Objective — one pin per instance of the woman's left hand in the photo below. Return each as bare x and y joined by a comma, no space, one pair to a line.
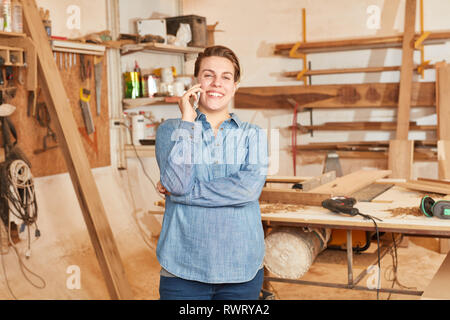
161,188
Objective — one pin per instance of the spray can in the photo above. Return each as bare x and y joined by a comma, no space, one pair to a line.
17,17
132,86
6,13
138,128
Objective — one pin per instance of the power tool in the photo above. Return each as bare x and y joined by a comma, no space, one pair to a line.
344,205
432,208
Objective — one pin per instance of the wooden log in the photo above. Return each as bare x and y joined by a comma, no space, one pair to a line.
366,95
348,184
293,197
290,251
359,43
71,145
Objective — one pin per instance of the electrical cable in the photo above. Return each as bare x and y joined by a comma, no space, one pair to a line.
366,216
151,246
394,268
140,160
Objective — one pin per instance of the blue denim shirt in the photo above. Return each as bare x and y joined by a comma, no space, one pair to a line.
212,230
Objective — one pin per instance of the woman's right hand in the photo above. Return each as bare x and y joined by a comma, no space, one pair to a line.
187,109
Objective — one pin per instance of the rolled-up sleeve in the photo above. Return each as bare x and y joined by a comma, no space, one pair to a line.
175,154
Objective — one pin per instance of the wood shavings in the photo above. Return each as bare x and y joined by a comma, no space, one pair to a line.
270,207
414,211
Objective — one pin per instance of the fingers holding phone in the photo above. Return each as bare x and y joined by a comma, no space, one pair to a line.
186,107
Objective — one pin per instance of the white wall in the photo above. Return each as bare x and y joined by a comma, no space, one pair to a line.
253,27
64,16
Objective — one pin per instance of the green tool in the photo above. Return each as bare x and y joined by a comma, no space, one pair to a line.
432,208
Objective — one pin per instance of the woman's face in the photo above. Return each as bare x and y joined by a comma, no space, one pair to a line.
216,77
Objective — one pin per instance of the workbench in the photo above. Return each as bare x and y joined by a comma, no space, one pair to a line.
318,217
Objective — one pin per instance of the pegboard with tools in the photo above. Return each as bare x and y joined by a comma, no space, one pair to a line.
36,130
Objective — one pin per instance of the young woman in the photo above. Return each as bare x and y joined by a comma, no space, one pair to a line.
212,169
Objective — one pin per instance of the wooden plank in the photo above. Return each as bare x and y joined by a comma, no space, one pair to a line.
438,288
318,181
355,144
443,100
320,72
419,186
438,181
365,125
291,196
71,145
359,43
366,95
348,184
401,158
371,192
443,147
284,179
406,72
443,131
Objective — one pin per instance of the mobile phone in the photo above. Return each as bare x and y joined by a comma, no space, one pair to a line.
197,99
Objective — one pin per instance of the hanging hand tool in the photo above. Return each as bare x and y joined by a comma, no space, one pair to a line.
43,118
344,205
98,70
2,80
85,97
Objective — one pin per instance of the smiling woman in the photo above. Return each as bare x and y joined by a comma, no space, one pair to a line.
212,168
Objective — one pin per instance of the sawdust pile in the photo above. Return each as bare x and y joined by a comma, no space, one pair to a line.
414,211
270,207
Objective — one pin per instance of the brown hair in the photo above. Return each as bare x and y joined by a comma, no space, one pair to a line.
219,51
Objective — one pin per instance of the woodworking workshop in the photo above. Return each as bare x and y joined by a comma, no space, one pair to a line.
225,150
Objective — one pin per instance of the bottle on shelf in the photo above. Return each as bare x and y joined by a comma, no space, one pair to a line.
16,17
6,14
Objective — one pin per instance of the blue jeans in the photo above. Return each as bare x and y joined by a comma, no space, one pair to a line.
174,288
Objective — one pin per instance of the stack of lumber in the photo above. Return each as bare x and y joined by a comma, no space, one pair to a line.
427,185
342,186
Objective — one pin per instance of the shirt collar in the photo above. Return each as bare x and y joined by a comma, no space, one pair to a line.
201,116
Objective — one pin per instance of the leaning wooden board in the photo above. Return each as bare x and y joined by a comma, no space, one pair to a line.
348,184
440,284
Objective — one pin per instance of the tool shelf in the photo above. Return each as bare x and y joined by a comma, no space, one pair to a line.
158,47
142,102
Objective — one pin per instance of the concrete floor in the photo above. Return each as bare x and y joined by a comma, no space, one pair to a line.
417,264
